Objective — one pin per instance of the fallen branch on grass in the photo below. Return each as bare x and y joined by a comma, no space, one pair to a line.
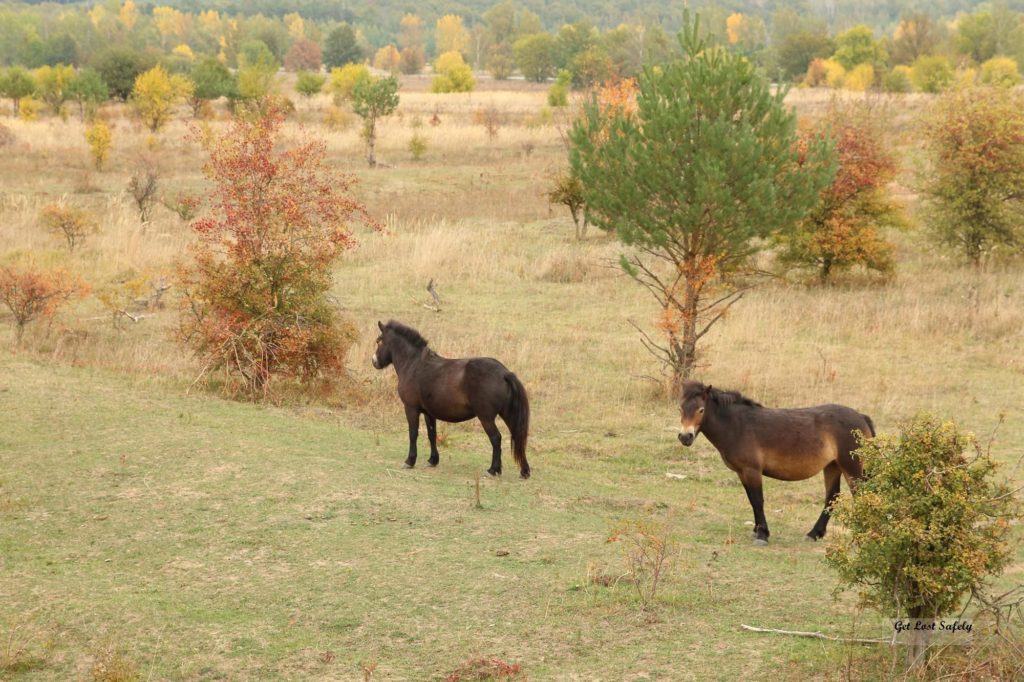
818,635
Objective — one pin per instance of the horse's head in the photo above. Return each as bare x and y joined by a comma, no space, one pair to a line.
695,398
382,356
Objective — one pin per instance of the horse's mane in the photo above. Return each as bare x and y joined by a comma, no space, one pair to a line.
407,333
692,389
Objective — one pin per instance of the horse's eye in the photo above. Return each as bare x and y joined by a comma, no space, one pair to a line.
700,411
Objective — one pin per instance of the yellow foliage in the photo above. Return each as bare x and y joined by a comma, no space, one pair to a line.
155,95
96,15
859,78
732,27
448,61
1000,71
99,139
452,36
171,22
344,79
128,14
965,78
387,59
28,109
185,51
296,25
209,20
835,74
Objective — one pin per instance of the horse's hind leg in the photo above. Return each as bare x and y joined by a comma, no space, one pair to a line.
495,437
751,481
833,477
435,456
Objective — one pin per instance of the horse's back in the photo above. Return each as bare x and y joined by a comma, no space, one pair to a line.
795,443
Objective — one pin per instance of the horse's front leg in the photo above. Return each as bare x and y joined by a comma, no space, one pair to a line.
435,456
495,437
751,480
412,414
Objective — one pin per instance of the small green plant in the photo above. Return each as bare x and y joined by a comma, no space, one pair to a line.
558,94
899,80
185,205
929,523
309,84
567,190
417,146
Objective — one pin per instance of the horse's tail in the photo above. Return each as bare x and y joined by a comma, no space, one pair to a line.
517,417
871,425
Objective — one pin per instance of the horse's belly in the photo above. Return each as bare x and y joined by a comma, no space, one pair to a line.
450,413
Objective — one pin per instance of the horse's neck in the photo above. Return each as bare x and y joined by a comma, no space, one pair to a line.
718,423
405,356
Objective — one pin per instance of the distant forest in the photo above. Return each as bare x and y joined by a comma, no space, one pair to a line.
382,17
898,46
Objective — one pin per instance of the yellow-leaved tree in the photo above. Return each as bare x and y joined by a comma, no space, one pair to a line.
156,94
451,35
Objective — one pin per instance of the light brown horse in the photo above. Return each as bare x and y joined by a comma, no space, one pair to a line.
789,445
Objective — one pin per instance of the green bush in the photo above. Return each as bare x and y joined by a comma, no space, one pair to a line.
1000,71
932,73
928,525
898,80
558,94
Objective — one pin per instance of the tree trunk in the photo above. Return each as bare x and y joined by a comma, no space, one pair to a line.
825,272
686,348
371,141
917,649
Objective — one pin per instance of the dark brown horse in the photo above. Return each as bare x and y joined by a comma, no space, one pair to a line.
790,445
454,391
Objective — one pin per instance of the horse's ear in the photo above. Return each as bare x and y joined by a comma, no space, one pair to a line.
381,326
707,391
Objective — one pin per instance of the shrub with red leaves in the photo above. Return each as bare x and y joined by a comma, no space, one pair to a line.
256,289
32,294
845,229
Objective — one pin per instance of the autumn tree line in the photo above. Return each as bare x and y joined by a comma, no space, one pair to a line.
797,42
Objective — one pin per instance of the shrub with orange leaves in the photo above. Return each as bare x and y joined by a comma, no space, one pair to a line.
975,141
256,288
844,230
69,222
32,294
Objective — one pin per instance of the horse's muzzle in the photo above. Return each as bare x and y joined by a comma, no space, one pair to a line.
374,362
687,438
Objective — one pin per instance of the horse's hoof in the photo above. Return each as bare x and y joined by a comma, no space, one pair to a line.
760,542
431,464
406,465
810,538
524,475
493,474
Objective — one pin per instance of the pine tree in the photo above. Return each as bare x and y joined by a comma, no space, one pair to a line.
693,179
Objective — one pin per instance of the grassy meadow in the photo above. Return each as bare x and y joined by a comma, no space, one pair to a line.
151,529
